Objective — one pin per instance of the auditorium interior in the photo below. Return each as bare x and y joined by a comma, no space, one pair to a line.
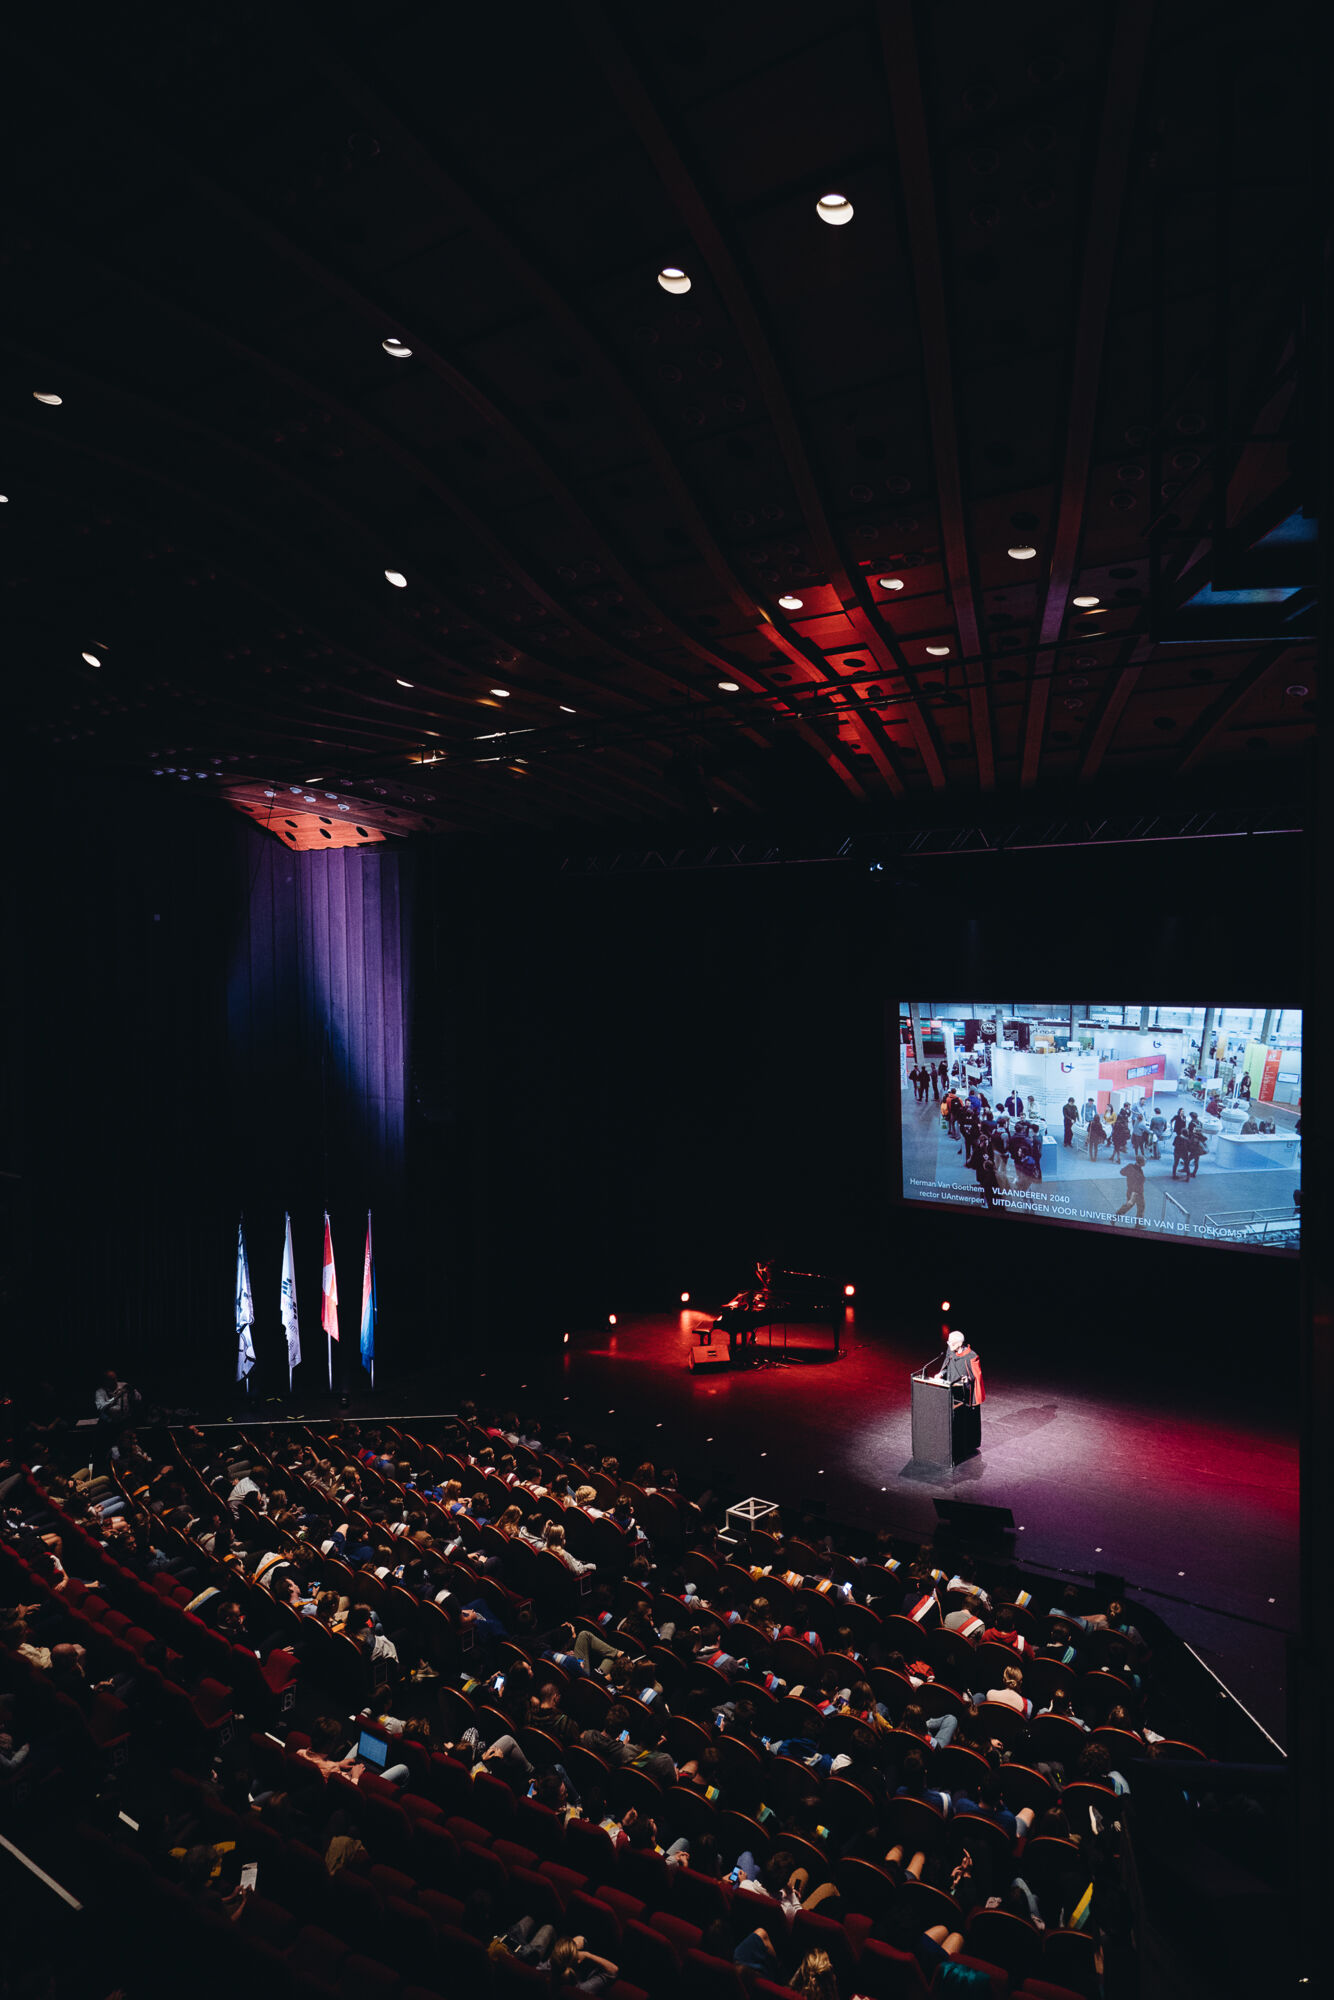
564,565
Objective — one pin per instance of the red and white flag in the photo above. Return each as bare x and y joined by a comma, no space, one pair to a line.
329,1303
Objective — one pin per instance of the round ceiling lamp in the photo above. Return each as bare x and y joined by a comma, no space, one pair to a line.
398,349
1085,603
673,279
1023,552
46,396
938,652
834,209
730,687
891,583
790,603
397,578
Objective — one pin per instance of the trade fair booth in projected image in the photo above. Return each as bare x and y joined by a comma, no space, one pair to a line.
1236,1071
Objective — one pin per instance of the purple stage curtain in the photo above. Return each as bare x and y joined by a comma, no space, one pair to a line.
318,1000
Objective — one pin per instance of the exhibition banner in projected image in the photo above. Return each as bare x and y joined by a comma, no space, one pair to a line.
1182,1122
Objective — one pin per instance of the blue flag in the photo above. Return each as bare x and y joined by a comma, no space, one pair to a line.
245,1311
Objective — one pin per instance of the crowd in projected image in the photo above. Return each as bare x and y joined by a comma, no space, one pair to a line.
1180,1121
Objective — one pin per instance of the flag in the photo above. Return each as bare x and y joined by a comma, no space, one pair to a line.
245,1311
368,1307
329,1304
290,1322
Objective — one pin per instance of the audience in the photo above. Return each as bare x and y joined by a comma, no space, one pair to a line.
601,1641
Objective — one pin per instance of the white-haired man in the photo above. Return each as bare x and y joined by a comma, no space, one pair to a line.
962,1367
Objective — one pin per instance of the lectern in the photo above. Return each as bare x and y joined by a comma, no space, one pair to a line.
946,1426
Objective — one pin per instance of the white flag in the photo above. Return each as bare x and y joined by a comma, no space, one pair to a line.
290,1321
245,1310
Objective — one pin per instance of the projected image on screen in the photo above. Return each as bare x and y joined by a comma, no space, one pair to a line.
1182,1121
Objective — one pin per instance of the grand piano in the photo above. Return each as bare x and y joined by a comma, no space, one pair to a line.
775,1299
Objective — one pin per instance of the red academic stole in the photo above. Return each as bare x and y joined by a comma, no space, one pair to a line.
922,1606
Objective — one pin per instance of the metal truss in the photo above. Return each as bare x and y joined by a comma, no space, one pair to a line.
997,836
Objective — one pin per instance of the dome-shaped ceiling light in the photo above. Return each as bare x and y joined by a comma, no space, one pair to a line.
91,658
673,279
1022,552
402,684
398,349
834,209
502,694
938,652
891,583
730,687
47,396
1085,603
790,603
397,578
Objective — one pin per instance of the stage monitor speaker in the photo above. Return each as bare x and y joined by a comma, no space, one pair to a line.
709,1360
969,1521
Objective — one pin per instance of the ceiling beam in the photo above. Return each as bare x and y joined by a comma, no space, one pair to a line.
411,727
1101,238
377,313
447,177
903,74
1134,657
734,288
803,656
1220,712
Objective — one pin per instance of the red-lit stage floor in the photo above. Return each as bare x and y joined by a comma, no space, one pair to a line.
1197,1506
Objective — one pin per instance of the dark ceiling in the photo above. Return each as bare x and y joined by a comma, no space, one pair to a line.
1071,313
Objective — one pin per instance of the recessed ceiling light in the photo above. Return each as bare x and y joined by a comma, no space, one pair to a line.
404,684
270,795
397,348
1085,603
502,694
92,659
1023,553
673,279
938,652
790,603
730,687
45,396
397,578
834,208
891,583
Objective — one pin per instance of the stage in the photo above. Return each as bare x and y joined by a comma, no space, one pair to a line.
1196,1505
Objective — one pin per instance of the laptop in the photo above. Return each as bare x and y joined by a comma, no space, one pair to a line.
373,1750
